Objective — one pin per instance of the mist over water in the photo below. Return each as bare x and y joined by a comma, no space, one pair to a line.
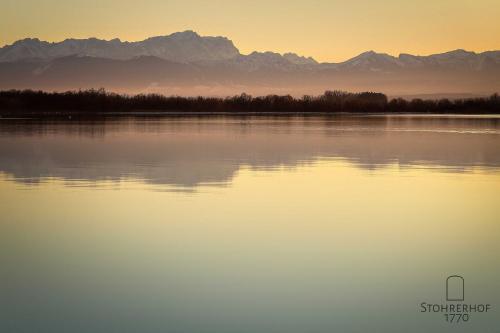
247,224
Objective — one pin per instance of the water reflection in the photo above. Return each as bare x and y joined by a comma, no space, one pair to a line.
341,224
187,152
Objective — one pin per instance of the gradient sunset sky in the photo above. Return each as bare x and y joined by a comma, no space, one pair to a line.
328,30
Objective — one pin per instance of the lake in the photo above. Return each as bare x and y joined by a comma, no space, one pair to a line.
248,224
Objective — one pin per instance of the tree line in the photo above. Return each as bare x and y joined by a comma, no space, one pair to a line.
99,101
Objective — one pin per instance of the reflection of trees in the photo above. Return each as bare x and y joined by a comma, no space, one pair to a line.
188,151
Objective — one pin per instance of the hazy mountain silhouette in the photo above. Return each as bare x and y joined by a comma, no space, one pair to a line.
185,63
182,47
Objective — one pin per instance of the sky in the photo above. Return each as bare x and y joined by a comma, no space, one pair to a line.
328,30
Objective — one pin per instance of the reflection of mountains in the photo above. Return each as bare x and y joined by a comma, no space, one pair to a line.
190,151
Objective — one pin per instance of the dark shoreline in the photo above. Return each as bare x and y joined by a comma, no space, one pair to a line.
82,116
99,103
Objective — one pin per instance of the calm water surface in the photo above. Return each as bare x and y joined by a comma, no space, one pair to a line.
234,224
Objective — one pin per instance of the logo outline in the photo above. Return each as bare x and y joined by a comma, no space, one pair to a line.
459,279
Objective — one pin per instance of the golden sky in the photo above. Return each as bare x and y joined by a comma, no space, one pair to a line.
328,30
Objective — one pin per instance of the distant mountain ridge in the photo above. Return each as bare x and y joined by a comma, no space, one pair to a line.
183,60
183,47
189,47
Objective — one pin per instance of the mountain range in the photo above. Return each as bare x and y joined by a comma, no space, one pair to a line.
186,63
